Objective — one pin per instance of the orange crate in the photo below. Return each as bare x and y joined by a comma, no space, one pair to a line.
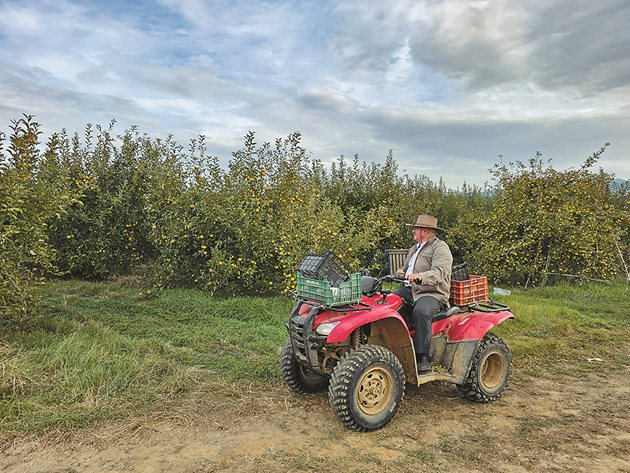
473,289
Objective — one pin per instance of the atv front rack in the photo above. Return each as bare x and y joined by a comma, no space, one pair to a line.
350,308
342,308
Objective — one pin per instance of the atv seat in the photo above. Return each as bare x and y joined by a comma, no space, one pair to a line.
445,313
406,308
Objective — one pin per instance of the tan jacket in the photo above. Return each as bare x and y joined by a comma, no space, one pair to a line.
434,266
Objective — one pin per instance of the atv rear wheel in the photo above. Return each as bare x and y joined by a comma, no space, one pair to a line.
490,371
299,379
366,388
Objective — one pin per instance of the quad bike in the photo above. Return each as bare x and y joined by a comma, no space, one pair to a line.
363,353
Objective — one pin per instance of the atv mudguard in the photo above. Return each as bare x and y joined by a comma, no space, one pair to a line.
387,328
350,321
456,339
467,326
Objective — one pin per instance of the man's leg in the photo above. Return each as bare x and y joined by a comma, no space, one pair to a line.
407,306
423,309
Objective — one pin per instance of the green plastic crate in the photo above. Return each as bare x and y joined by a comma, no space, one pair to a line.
320,290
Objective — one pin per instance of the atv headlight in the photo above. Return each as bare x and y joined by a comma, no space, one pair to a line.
325,329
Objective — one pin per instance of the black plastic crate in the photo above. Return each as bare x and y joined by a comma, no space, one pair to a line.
459,272
326,265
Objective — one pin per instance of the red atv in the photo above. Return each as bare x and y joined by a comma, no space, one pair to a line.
363,353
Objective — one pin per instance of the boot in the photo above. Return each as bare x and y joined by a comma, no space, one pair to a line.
424,365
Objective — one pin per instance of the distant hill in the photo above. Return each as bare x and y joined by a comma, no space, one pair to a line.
618,182
615,184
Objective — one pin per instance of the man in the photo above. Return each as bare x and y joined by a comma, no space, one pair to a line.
427,289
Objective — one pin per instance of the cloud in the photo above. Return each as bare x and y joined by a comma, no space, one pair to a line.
478,43
447,85
16,18
37,92
329,101
551,44
585,47
484,44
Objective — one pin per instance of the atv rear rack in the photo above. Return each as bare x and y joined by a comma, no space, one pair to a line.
488,306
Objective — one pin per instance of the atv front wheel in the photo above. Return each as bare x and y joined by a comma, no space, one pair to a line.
298,378
366,388
490,371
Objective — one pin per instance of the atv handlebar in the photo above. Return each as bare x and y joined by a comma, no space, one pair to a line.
394,278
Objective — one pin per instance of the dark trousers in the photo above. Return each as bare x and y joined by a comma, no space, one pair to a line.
421,310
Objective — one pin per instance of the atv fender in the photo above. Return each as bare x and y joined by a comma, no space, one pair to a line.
349,323
387,329
470,325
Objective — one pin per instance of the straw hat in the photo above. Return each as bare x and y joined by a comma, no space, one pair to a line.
425,221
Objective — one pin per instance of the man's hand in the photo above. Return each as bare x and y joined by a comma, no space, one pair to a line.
400,272
415,277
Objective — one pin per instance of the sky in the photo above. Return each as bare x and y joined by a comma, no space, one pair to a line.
448,86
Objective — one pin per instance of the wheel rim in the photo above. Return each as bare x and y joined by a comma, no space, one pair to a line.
493,371
374,391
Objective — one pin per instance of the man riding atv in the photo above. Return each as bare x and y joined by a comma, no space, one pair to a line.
426,291
349,334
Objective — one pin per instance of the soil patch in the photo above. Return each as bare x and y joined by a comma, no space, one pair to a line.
565,423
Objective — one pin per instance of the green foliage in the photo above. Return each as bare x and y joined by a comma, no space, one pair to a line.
104,204
378,195
546,222
245,229
107,230
30,195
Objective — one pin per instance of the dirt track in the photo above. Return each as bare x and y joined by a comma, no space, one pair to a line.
565,424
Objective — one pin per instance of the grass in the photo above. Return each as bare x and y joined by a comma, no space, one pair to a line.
99,350
569,323
94,351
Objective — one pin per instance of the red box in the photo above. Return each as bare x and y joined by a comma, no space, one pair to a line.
473,289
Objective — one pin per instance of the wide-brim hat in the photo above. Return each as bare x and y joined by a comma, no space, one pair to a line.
426,221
